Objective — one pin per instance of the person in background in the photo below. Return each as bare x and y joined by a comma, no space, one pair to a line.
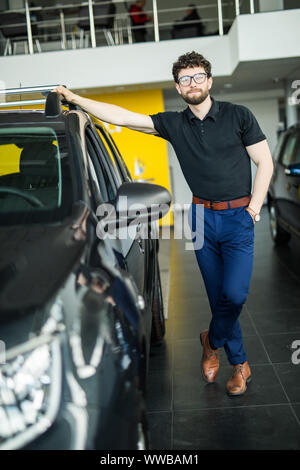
190,26
138,20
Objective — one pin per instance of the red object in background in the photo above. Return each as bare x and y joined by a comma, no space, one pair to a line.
137,15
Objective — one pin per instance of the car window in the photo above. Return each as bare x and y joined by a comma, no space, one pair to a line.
297,153
30,169
105,183
107,157
278,148
112,158
115,154
288,151
94,183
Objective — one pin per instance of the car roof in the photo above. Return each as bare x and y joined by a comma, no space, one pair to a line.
28,116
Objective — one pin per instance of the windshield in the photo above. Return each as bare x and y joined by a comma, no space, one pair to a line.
31,161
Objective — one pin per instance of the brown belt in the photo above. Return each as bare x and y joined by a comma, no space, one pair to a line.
220,206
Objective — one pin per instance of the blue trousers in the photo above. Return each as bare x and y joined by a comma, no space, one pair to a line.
225,261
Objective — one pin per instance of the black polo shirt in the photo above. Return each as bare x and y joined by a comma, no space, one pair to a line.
211,152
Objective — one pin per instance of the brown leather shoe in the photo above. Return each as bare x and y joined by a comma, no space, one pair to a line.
210,359
241,376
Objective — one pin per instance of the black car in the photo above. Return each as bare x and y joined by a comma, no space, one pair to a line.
78,306
284,189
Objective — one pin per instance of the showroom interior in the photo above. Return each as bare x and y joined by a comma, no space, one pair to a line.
253,46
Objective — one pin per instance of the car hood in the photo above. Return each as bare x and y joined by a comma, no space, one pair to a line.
34,261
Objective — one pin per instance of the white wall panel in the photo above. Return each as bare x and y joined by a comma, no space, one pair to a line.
269,35
111,66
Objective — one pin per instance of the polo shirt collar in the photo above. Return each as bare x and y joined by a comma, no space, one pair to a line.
212,113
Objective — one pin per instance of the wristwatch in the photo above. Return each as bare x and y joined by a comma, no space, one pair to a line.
256,217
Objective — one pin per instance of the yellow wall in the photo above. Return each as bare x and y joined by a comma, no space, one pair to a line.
147,152
9,159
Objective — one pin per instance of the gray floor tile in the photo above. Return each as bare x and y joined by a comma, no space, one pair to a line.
251,428
191,392
185,307
159,391
279,346
296,408
160,428
277,321
289,375
273,294
161,356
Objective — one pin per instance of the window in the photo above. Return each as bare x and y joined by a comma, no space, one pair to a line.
94,184
288,151
278,147
105,185
115,154
30,170
106,155
111,155
297,153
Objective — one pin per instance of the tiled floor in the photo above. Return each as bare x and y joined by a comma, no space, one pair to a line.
186,413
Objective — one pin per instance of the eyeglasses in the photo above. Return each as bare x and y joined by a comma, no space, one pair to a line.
186,80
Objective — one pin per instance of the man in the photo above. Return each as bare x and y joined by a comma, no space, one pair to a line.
213,142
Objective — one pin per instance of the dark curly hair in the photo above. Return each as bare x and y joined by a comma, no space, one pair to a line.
190,59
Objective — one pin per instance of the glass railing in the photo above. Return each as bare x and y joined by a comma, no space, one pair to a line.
74,24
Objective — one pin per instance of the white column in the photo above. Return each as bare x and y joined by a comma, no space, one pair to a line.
290,103
63,29
155,21
29,32
92,24
220,18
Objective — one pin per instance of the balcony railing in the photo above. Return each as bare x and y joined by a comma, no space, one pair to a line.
74,25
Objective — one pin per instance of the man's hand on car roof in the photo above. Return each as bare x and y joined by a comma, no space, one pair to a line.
64,93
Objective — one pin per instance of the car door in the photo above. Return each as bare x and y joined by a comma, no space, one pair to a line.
128,249
143,237
284,188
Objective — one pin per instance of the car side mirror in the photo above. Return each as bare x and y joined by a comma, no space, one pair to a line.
137,203
152,199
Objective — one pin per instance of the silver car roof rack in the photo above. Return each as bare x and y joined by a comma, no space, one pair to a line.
52,101
20,91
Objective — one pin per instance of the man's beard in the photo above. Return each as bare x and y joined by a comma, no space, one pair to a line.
190,99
